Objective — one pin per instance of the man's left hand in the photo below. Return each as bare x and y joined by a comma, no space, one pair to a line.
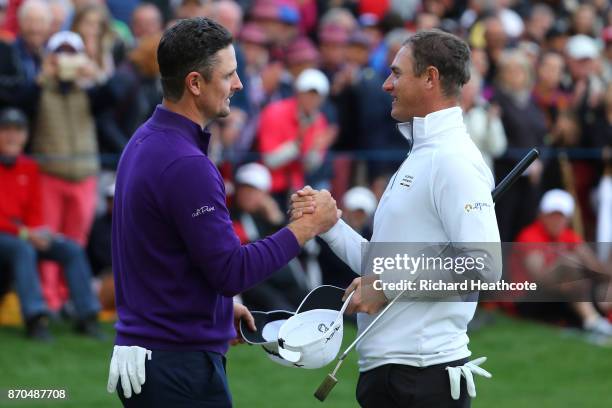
241,312
366,299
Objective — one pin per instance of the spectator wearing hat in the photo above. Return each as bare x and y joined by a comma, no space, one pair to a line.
586,85
301,54
563,260
68,99
24,237
294,135
255,215
333,41
279,19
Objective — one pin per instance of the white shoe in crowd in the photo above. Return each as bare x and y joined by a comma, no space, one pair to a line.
599,326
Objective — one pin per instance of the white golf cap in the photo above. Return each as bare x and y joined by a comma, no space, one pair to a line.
65,38
310,338
360,198
312,80
254,175
581,46
557,201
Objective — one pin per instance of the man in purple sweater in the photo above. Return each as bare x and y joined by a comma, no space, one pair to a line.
176,259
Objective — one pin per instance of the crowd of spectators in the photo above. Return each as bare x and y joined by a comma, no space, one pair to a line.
312,111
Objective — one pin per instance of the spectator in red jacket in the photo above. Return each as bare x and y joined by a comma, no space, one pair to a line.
24,239
557,257
294,135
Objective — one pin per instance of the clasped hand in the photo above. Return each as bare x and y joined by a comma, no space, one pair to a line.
312,211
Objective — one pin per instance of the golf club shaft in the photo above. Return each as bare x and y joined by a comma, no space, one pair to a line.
514,174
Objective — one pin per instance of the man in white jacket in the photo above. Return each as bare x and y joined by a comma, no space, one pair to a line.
440,194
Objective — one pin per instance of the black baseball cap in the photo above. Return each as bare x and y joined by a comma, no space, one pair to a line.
12,117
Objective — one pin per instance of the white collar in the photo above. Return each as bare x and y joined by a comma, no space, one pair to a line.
433,124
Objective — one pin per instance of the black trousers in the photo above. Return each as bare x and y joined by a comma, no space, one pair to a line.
397,385
182,380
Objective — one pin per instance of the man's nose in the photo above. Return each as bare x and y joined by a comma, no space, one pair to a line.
387,86
238,84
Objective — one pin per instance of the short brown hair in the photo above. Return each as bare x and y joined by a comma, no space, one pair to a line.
447,52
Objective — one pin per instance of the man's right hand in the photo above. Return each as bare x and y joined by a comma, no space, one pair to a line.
312,213
128,363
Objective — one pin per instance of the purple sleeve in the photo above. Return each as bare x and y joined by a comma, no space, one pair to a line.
194,199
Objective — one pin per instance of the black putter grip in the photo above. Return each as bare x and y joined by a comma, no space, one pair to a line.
515,173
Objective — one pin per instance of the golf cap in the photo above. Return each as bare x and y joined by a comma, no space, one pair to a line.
557,201
69,38
581,47
360,198
254,175
309,338
312,338
312,80
12,117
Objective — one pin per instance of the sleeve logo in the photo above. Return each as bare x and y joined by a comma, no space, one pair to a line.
476,207
202,210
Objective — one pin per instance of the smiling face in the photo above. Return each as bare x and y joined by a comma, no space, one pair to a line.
405,87
213,97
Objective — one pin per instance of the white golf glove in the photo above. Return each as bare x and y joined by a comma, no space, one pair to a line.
467,370
128,362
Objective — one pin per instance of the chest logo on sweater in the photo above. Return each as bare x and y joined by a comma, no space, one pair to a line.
476,207
407,181
202,210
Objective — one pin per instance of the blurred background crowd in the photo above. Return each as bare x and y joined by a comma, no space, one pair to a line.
77,77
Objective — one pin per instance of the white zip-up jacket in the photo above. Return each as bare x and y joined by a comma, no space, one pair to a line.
441,193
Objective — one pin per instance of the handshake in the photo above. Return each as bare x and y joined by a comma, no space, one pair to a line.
312,213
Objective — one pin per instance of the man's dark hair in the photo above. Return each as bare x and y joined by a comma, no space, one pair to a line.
448,53
189,46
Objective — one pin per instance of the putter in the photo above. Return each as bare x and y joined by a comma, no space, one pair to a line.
330,381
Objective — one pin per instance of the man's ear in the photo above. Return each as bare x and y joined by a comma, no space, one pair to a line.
194,83
432,77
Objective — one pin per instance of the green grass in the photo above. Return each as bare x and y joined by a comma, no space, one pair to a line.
532,366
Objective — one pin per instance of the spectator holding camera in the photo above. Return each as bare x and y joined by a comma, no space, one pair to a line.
24,238
65,138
